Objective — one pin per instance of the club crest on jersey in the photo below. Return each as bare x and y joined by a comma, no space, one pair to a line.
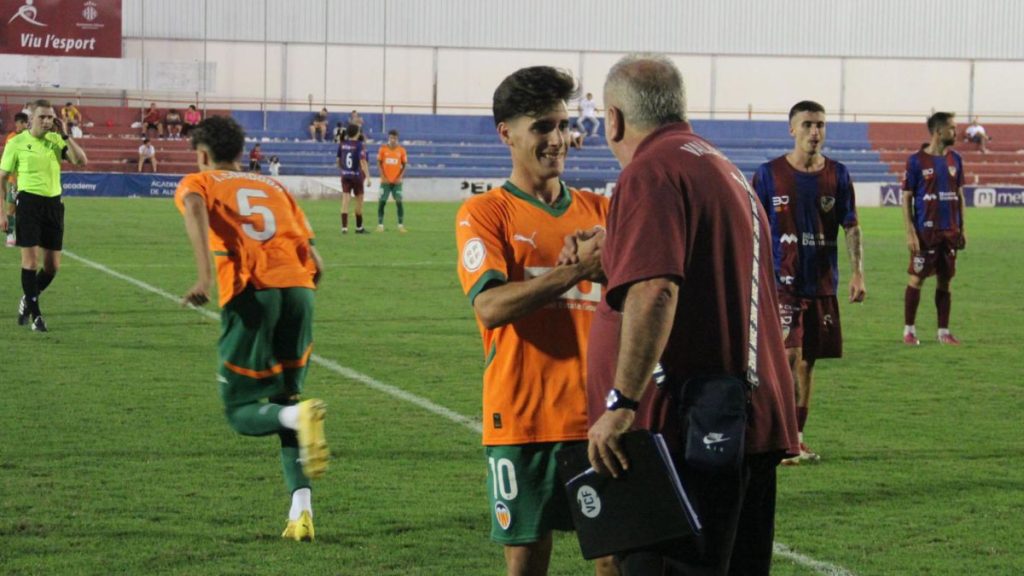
473,254
827,203
952,171
503,515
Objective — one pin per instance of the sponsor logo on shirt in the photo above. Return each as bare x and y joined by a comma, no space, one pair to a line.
593,289
812,239
929,197
787,239
948,197
527,239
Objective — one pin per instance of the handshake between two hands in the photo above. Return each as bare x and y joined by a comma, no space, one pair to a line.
583,248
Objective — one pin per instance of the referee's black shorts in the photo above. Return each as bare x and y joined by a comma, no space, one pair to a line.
40,221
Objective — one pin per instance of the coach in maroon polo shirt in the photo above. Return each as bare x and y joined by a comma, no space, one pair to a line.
678,258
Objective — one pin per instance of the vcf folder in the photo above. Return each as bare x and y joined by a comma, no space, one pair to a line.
643,507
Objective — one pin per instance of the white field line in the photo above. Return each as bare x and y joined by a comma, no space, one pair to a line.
371,382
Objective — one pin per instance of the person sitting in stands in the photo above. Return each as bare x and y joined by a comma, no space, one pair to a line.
71,116
174,123
192,117
151,120
318,126
976,133
147,153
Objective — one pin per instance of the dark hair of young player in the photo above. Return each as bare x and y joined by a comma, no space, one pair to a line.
532,92
222,136
805,106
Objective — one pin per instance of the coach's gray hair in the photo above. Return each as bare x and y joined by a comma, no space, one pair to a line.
648,89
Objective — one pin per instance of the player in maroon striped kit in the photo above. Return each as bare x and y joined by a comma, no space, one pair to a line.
808,197
933,212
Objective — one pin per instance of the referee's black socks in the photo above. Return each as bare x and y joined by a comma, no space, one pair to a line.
30,286
43,279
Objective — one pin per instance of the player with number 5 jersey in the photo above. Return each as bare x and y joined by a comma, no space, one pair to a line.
267,268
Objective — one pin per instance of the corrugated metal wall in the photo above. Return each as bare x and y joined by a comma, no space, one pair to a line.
979,29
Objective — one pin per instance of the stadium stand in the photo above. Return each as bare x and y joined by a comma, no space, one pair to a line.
1004,164
450,146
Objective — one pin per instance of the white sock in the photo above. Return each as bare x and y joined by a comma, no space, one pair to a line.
800,435
289,417
302,501
943,332
909,329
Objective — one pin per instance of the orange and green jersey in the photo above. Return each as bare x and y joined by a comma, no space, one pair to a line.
258,234
535,367
391,162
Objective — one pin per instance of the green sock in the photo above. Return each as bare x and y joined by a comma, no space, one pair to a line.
293,476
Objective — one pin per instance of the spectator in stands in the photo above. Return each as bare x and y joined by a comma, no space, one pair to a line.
72,118
147,153
588,113
575,136
192,118
355,118
174,124
319,126
976,133
275,166
339,132
255,157
151,120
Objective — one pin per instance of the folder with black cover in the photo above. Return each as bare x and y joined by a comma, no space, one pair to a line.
643,507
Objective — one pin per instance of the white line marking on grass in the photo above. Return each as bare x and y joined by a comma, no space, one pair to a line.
344,371
331,365
808,562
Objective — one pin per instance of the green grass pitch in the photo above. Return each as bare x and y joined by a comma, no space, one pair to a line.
115,457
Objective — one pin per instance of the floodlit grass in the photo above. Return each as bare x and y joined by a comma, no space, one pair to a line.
115,457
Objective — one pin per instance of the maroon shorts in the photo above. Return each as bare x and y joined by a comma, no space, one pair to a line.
812,324
352,185
937,257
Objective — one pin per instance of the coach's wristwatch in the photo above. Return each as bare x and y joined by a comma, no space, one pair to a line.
616,400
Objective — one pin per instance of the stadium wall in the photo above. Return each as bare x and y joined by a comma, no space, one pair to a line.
980,29
462,81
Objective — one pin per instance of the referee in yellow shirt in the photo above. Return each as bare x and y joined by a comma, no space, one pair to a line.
35,155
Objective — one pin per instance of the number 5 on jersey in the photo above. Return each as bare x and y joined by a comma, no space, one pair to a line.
247,209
